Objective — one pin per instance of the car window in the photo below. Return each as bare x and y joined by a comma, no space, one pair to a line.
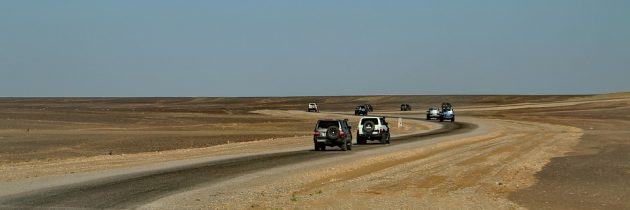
326,124
374,120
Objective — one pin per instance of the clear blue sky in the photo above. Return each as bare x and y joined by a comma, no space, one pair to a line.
287,48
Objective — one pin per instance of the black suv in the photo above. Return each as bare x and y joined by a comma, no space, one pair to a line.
405,107
361,110
369,107
447,106
332,133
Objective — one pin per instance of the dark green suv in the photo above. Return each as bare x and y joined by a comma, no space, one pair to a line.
332,133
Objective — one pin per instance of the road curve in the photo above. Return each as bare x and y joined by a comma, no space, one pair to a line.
128,191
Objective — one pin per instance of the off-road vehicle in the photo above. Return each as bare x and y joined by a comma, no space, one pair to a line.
360,110
369,107
447,113
405,107
373,128
332,133
433,113
312,107
446,106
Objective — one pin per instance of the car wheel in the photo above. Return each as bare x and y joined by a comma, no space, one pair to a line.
316,147
344,145
368,127
385,139
453,119
349,146
332,132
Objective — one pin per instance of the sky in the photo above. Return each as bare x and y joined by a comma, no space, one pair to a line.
146,48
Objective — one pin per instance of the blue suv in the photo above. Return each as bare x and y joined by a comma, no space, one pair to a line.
447,112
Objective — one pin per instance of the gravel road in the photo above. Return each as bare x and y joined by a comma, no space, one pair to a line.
133,190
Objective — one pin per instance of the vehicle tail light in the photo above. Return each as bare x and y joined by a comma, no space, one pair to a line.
316,133
341,133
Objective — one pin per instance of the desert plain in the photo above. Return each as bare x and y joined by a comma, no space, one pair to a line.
503,152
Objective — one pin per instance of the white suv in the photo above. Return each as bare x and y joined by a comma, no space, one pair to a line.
433,113
312,107
373,128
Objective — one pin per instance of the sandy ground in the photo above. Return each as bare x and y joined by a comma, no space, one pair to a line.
471,171
553,155
546,152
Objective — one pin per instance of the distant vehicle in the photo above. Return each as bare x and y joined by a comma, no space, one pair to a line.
373,128
433,113
369,107
446,106
332,133
312,107
360,110
405,107
447,112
